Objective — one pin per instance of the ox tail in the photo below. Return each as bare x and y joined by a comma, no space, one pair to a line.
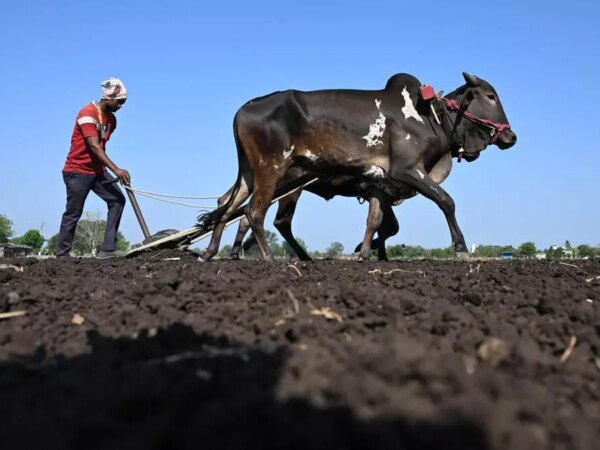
207,221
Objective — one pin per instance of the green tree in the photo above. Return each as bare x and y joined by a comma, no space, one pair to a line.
89,235
122,243
80,248
32,238
585,251
527,249
411,251
334,250
395,251
225,251
406,251
555,253
51,245
443,253
273,243
289,252
272,238
492,251
6,228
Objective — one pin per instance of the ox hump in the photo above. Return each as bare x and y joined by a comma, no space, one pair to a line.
409,109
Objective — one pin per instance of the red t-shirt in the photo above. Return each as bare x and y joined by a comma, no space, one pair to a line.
80,159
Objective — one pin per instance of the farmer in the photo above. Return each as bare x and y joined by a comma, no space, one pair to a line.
85,169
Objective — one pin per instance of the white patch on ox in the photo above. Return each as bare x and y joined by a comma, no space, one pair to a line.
421,174
287,153
377,103
310,155
407,137
409,109
376,131
375,172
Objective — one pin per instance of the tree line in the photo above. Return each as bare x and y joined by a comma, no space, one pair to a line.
400,251
90,232
88,236
283,249
525,250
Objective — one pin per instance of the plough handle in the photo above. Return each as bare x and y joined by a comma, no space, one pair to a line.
136,208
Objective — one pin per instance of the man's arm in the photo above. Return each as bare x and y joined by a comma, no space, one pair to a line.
93,144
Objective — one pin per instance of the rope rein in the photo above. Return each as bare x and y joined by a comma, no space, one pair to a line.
139,191
158,197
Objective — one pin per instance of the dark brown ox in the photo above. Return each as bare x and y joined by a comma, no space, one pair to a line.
344,186
387,137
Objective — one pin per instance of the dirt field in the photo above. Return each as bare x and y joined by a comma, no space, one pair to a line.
150,353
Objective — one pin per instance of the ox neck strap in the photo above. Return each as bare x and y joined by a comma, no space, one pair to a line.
449,128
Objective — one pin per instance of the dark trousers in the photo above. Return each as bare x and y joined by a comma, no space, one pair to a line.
79,186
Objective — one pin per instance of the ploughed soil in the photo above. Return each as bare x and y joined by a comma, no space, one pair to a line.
149,353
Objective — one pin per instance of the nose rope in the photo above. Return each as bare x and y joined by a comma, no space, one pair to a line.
139,191
158,197
497,128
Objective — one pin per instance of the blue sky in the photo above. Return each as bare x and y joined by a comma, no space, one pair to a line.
188,67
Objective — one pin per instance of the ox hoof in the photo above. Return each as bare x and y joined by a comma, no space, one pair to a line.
462,256
204,257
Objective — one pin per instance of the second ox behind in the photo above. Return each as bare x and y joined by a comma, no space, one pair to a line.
388,141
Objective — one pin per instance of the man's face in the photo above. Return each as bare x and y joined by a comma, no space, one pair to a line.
115,105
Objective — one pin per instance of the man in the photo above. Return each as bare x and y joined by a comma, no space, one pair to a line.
85,169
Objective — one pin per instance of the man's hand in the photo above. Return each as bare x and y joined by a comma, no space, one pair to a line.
123,176
93,144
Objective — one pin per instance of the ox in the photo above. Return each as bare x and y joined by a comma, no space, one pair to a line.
327,189
388,138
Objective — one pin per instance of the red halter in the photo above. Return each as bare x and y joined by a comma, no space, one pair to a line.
497,128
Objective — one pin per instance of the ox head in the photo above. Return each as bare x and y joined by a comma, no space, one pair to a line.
480,119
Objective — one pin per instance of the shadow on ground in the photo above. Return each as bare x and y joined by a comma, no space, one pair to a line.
180,390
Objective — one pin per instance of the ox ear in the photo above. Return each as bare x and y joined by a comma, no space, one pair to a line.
472,81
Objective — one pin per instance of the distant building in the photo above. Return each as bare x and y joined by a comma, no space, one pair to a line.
567,252
8,250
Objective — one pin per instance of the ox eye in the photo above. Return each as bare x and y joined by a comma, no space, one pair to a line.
491,97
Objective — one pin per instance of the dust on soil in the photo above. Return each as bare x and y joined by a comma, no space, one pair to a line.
149,353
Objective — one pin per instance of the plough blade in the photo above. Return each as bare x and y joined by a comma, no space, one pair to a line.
183,239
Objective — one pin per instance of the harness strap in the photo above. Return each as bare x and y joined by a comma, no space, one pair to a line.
100,125
497,128
449,128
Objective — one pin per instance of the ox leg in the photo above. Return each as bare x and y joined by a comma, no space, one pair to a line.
389,227
264,188
250,242
377,203
283,223
239,238
430,189
215,240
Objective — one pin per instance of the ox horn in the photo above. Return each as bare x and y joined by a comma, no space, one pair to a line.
471,80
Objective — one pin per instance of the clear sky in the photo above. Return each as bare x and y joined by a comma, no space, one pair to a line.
189,65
